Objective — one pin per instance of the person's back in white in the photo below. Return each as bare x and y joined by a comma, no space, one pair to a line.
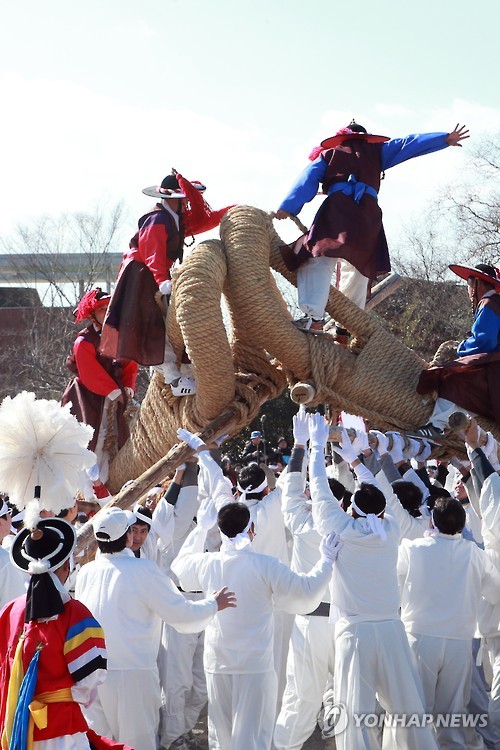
372,658
130,597
442,579
311,652
238,658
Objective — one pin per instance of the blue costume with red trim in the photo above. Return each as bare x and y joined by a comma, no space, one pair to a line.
348,223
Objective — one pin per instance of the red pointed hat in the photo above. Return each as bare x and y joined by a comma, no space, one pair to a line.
91,300
353,131
481,271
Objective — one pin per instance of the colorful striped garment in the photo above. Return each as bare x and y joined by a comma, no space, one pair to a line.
70,648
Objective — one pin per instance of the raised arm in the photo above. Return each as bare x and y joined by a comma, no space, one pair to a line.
327,514
398,150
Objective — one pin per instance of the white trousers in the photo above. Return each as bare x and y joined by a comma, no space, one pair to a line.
168,368
126,708
241,709
310,661
445,669
313,284
373,660
479,737
443,409
183,684
283,624
493,647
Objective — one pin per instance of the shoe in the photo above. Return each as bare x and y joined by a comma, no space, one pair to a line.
427,432
183,387
341,336
309,324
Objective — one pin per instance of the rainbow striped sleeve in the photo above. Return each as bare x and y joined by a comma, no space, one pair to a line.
84,648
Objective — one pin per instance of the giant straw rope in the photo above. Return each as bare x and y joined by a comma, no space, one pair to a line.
376,378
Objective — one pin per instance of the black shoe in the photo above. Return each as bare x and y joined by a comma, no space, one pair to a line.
427,432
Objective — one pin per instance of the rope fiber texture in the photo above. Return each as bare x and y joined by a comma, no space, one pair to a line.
375,378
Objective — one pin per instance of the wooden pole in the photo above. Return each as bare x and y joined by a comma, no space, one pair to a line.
384,289
152,477
460,423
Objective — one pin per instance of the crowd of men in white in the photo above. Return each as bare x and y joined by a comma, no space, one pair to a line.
287,605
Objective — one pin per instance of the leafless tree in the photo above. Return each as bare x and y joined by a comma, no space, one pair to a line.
461,224
37,334
49,240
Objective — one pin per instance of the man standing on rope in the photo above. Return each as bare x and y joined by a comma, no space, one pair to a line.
348,225
134,328
99,382
470,382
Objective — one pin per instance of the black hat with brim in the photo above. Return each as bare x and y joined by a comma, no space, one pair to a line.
482,271
46,548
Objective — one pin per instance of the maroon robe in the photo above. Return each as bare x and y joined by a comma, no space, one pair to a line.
472,382
88,406
343,228
134,328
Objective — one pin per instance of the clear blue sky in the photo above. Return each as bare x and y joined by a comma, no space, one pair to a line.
101,98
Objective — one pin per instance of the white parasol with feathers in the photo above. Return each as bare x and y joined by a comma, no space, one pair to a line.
43,453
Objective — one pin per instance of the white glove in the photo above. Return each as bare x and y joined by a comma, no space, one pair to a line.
166,287
459,464
491,451
382,442
360,442
345,449
412,449
301,426
129,392
207,514
318,430
193,441
93,472
329,547
396,452
425,451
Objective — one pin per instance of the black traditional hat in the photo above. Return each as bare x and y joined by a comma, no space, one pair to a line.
40,552
170,188
46,548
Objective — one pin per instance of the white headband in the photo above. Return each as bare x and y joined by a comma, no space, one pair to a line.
240,541
251,490
373,522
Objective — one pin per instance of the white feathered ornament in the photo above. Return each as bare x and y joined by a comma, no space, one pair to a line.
43,454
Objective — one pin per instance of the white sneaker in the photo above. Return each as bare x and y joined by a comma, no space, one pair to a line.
183,387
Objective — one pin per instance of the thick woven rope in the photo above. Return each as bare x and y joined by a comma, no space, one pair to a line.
263,350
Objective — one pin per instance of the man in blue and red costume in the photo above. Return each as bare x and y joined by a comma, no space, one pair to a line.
469,383
100,381
348,225
134,328
52,650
